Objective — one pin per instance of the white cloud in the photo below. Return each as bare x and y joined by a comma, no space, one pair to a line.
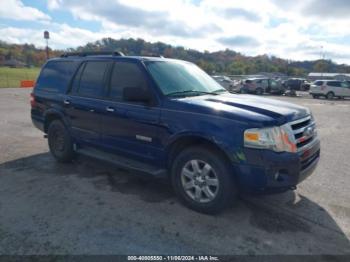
16,10
61,36
282,28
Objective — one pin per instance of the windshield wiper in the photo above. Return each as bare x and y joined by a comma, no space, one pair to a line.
196,92
219,91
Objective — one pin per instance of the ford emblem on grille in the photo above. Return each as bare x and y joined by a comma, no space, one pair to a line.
308,132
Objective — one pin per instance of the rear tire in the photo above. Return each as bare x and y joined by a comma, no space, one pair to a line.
259,91
202,180
315,96
330,95
60,142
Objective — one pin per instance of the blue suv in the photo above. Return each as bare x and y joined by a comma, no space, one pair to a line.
168,118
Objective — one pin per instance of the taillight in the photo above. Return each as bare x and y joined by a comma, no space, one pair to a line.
32,100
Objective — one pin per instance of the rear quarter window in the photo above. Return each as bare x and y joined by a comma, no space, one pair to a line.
56,75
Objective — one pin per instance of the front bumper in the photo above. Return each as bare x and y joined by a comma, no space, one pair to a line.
268,171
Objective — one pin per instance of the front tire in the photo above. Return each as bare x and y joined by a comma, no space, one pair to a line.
60,142
202,180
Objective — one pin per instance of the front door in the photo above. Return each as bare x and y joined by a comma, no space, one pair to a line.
345,88
130,128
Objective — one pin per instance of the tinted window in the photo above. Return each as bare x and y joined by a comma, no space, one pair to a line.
56,75
92,79
334,83
345,84
125,74
273,83
75,84
318,83
265,82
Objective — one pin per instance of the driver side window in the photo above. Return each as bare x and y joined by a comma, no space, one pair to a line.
125,74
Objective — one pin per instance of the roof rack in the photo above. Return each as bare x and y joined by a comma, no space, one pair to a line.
113,53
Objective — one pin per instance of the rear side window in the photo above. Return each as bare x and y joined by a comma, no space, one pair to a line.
125,74
92,79
345,84
56,75
334,83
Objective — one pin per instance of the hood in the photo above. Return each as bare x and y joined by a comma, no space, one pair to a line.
247,107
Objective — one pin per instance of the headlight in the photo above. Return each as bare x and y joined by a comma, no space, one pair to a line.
278,139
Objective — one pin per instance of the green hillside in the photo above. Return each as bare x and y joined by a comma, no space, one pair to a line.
220,62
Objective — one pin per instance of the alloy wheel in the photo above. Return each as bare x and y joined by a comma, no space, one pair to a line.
199,181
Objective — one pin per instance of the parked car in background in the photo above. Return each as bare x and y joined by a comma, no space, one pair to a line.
330,89
237,85
225,82
275,87
296,84
305,86
260,86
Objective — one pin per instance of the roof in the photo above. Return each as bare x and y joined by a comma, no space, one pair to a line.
314,74
112,57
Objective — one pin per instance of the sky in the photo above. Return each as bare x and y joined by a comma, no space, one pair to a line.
290,29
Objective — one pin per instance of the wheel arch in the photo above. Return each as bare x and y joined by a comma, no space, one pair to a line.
185,141
52,115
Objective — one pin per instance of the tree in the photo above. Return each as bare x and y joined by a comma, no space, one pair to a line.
321,66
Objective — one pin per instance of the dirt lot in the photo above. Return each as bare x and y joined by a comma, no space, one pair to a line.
90,208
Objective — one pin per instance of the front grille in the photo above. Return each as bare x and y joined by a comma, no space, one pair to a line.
304,131
305,135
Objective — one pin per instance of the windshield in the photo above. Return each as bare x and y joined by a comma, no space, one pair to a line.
182,78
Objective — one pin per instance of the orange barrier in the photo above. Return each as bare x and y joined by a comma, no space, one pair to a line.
27,83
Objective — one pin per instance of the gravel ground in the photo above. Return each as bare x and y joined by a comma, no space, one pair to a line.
88,207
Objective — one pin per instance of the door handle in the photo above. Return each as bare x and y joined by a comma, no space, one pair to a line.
109,109
66,102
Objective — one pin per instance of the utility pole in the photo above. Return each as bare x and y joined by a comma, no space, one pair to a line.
47,37
322,60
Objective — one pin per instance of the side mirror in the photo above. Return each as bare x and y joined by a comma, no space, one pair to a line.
136,94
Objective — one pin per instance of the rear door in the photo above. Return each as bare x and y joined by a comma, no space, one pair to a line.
335,87
274,86
84,103
264,84
131,128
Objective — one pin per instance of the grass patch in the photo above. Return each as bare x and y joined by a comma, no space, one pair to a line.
11,77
